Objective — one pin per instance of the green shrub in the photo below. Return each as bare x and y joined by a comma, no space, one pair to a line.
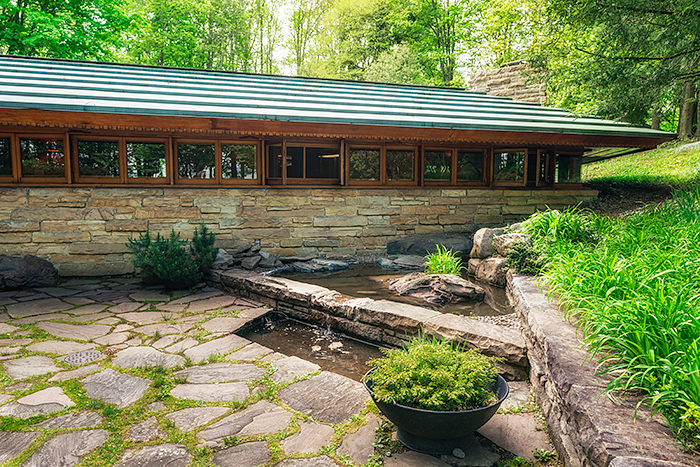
563,227
443,261
434,375
166,261
524,258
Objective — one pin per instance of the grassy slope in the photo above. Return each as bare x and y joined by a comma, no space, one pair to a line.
673,163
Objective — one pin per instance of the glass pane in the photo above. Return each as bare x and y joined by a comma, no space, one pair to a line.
322,163
5,158
295,162
274,161
42,157
364,164
238,161
196,161
145,160
438,165
568,169
98,158
399,164
543,162
470,166
509,166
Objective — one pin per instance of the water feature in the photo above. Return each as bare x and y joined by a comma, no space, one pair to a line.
331,350
371,281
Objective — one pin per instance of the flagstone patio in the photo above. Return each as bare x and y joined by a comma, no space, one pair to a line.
109,372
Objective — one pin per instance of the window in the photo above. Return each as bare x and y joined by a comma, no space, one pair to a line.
470,166
365,164
146,160
509,166
97,159
5,157
196,161
42,158
239,162
400,165
438,165
304,163
568,169
544,171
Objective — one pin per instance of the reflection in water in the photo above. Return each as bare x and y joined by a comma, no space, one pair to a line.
369,280
330,350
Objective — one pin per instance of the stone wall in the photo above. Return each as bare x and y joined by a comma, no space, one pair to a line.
510,81
83,230
588,429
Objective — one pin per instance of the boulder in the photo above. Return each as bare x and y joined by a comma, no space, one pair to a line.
473,265
437,289
26,271
396,263
483,242
421,245
318,265
503,242
515,228
250,262
493,270
269,260
223,260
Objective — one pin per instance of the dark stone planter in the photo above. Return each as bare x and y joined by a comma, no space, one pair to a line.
434,432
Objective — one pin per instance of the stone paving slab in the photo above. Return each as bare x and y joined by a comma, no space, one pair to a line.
251,454
83,332
236,392
220,346
146,357
310,438
163,329
327,397
224,324
13,443
66,450
59,347
165,341
221,372
88,318
39,318
211,304
9,350
272,421
17,410
160,455
4,398
37,307
89,309
73,374
234,423
250,352
18,341
359,446
7,328
149,296
413,459
252,313
286,369
145,317
186,343
113,338
83,419
126,307
321,461
198,296
192,418
115,388
52,395
147,430
27,367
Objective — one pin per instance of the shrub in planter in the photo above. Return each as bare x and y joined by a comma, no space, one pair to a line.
436,394
167,261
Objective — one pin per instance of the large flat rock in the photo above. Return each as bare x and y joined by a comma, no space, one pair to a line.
250,352
399,317
327,397
67,449
59,347
517,433
164,329
216,392
115,388
146,357
310,438
243,455
223,324
27,367
160,455
83,332
192,418
220,346
234,423
289,368
359,446
82,419
221,372
45,401
147,430
13,443
37,307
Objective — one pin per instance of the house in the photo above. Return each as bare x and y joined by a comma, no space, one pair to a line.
93,153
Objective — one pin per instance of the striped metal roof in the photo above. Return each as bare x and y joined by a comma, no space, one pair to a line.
66,85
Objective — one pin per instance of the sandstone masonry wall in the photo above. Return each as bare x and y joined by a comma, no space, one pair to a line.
510,81
587,429
83,230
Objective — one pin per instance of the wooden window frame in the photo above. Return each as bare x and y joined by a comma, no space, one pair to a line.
169,174
453,166
484,171
550,162
304,181
382,170
493,167
197,181
240,181
565,185
79,179
416,166
13,177
66,179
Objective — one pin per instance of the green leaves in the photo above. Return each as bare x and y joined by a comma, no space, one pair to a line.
443,261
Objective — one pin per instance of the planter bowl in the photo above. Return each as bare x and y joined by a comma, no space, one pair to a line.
434,432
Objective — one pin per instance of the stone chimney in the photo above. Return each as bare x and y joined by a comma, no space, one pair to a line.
510,81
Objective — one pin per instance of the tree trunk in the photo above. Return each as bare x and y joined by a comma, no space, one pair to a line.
655,119
685,120
697,116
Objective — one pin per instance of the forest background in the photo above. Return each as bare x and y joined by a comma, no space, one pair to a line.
636,61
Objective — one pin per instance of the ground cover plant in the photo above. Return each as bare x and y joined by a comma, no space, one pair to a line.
442,261
633,285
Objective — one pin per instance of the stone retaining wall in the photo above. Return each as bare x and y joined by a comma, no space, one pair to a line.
83,230
587,429
379,321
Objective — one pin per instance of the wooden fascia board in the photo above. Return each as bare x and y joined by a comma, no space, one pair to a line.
33,118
